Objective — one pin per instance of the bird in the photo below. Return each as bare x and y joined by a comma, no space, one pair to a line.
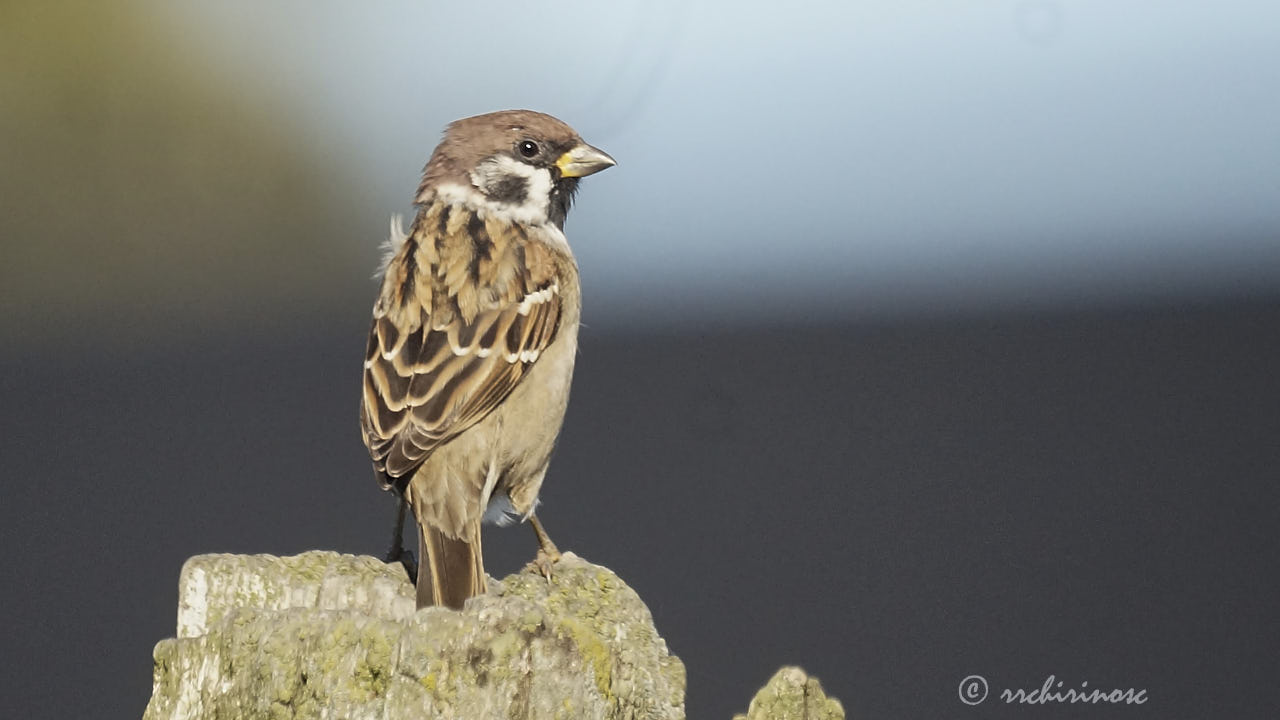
472,345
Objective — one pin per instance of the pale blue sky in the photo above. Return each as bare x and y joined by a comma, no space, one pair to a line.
882,156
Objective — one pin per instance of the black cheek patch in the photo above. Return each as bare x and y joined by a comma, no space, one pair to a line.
511,189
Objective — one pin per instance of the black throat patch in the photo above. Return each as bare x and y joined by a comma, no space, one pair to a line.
562,192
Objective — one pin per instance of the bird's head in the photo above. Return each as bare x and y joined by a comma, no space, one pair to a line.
521,163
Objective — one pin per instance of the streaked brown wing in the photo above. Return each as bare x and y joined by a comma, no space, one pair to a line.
459,323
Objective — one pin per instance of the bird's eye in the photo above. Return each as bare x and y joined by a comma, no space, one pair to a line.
528,148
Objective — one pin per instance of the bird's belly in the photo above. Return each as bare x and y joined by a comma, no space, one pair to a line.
528,425
494,469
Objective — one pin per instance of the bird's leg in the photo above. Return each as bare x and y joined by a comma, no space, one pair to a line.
548,555
397,553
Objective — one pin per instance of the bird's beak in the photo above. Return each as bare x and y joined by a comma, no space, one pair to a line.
584,160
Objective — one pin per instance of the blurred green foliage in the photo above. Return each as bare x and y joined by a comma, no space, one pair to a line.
140,186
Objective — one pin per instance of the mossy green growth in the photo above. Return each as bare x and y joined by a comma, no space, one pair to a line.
371,679
791,694
597,654
319,637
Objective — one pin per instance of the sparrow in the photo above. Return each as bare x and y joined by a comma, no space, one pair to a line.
472,345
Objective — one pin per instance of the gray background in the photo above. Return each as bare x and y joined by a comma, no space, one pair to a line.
921,340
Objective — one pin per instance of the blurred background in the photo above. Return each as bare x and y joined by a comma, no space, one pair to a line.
921,340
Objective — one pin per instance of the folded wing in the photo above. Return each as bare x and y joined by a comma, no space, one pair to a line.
467,308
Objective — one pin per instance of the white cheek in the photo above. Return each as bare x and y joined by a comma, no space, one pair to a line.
538,186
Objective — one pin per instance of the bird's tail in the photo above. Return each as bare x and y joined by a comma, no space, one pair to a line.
453,571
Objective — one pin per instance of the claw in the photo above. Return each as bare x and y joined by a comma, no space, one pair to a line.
407,561
544,561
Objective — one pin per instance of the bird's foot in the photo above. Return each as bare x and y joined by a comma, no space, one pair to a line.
544,561
548,555
398,554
